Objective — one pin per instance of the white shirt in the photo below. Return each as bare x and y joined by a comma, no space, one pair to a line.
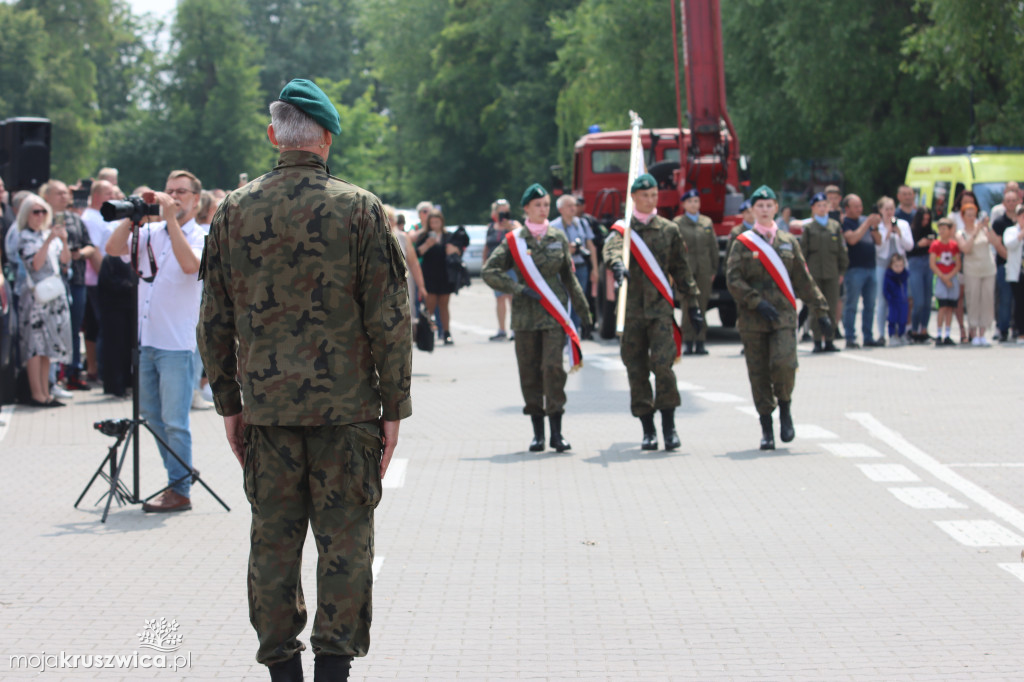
169,305
1013,240
99,232
898,240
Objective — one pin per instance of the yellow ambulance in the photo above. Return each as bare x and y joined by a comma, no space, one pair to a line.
946,171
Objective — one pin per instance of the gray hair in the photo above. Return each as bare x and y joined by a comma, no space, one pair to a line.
565,199
293,127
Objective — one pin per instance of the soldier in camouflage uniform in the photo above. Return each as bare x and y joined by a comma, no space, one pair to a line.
647,343
302,271
767,317
827,259
698,234
539,338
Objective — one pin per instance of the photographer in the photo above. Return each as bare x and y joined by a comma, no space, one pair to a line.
166,257
584,253
894,236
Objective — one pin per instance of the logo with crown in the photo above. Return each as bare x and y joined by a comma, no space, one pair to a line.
160,635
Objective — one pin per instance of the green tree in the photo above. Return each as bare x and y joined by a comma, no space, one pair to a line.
357,153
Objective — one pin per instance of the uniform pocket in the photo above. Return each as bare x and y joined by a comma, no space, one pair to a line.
363,450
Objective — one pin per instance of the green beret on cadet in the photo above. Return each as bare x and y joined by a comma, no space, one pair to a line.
645,181
305,95
762,192
534,191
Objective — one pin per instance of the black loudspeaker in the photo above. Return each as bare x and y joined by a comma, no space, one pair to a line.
25,153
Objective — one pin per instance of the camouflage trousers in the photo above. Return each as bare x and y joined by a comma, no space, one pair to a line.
541,372
647,346
771,366
704,284
326,477
830,290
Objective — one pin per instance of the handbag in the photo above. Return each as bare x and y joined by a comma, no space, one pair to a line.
424,330
50,287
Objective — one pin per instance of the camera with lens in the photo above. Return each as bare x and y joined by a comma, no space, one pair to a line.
80,196
505,215
133,208
113,427
580,248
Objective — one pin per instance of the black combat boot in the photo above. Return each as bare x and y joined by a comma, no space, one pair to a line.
767,433
287,671
689,348
537,444
557,442
331,668
699,350
786,430
830,347
819,347
668,429
650,441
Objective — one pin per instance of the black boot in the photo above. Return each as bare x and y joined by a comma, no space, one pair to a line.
287,671
557,442
537,444
699,350
331,668
650,441
668,428
830,347
786,430
689,348
819,347
767,434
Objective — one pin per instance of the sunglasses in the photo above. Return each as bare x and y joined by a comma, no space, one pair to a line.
39,211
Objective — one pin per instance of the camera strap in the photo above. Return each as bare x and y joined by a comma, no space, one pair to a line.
149,250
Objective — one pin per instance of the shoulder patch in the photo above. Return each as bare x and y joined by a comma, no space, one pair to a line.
785,246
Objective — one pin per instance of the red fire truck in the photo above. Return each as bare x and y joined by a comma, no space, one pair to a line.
706,155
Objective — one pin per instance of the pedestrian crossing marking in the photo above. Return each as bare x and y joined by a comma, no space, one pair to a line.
378,561
395,476
1015,569
888,473
981,533
714,397
926,497
5,420
851,450
813,432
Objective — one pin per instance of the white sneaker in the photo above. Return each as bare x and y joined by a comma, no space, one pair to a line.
60,393
983,341
198,403
207,393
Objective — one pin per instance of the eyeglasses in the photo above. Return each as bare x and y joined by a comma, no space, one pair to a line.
39,211
178,192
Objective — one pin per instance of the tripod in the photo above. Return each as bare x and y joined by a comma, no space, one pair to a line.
126,431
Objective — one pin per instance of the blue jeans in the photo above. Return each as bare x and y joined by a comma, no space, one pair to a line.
921,291
1004,300
583,277
859,283
166,378
77,315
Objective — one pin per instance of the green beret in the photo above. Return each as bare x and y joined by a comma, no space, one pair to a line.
305,95
645,181
762,192
534,191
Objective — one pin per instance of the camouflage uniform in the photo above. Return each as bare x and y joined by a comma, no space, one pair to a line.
827,260
647,345
540,339
702,257
302,269
770,348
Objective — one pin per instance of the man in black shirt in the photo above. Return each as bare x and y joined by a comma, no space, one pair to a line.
1004,292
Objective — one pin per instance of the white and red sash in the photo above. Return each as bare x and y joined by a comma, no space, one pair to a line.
548,299
639,250
771,262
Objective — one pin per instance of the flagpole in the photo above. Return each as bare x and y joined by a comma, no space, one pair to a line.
636,163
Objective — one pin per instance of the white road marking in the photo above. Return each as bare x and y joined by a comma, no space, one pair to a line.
748,409
719,397
604,362
395,477
687,386
981,533
888,473
473,329
851,450
812,432
5,420
986,465
378,561
971,491
926,497
1015,569
881,363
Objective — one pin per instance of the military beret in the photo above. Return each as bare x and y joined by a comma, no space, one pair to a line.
534,191
645,181
305,95
745,206
762,192
820,196
690,194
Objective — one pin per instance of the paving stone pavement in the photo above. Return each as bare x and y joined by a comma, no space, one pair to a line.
715,562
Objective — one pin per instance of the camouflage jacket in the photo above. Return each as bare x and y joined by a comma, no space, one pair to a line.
825,249
701,245
553,260
663,238
301,269
750,283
